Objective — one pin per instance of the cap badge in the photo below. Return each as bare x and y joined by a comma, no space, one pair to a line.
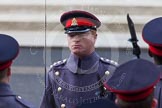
74,22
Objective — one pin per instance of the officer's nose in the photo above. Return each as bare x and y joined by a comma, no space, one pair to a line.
77,37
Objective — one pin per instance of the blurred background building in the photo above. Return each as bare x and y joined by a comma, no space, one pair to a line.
37,26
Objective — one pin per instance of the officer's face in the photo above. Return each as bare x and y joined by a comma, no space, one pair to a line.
82,44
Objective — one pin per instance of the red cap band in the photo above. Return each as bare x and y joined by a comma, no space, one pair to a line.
155,50
136,97
5,65
79,22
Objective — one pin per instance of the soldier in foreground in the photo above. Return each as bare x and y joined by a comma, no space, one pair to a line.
9,49
133,83
152,35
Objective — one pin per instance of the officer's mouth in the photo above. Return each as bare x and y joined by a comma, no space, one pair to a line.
76,46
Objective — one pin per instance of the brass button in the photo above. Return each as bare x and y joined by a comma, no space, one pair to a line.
62,105
19,97
104,88
107,73
57,73
51,66
59,89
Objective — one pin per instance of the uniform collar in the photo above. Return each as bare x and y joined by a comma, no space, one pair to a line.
5,89
86,65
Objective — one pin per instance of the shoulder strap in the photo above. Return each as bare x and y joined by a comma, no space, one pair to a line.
23,102
108,61
58,63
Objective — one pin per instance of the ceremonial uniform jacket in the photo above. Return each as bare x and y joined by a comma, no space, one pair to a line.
73,82
158,89
9,100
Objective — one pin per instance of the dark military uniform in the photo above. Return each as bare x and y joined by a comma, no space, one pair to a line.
10,100
75,81
9,49
151,33
69,85
99,104
158,89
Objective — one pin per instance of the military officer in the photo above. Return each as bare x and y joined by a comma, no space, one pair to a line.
133,82
151,33
9,49
78,79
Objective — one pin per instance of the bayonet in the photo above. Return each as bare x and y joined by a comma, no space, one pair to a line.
133,39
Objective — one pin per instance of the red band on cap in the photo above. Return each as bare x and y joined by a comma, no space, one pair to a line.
79,22
135,97
155,50
5,65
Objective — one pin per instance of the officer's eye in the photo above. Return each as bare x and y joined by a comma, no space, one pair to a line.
72,34
83,34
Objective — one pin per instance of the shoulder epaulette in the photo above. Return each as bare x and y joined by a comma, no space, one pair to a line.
58,63
108,61
23,102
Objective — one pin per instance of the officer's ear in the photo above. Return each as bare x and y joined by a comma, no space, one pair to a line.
116,101
150,53
94,33
154,103
96,36
9,72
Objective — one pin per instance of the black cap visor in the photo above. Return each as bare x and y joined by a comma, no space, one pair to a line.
78,29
